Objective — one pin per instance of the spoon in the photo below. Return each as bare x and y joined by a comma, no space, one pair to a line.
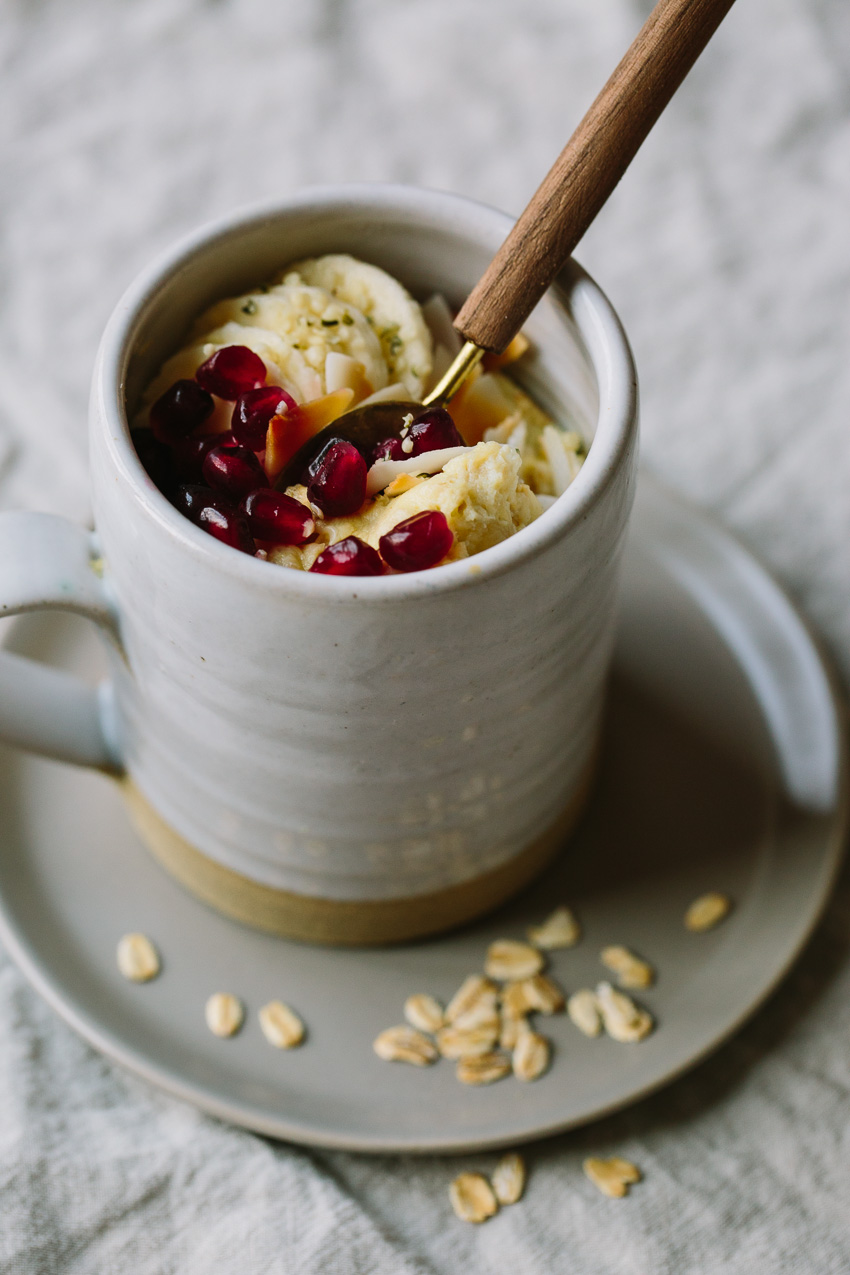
560,211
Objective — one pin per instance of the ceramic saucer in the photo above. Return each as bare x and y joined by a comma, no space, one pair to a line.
722,770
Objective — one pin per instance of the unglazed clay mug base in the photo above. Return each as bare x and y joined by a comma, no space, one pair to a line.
342,760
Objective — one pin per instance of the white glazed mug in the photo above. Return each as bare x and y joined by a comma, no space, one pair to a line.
344,760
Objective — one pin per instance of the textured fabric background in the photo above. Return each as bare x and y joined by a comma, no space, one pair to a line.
727,253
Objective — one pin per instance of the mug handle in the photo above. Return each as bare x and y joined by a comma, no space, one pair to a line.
49,563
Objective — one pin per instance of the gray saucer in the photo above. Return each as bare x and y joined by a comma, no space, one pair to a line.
722,770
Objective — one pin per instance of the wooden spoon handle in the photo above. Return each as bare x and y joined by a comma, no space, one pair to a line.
588,169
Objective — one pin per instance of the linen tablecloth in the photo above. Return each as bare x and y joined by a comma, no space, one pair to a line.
726,251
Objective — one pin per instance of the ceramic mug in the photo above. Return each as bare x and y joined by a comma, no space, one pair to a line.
336,759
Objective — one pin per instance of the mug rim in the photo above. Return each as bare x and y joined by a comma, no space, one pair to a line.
596,321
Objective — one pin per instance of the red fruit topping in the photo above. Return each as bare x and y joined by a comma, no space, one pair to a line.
432,431
156,458
389,449
233,469
182,408
190,453
215,514
273,516
253,411
349,557
418,542
228,526
336,479
191,498
231,371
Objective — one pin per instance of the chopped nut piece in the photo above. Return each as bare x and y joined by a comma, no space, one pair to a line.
472,1197
280,1025
561,929
224,1014
631,971
509,959
472,990
613,1177
622,1018
138,959
483,1069
509,1178
424,1012
707,911
531,1055
405,1044
465,1042
539,993
583,1009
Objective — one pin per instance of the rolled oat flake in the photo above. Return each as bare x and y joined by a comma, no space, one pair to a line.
530,1056
424,1012
707,911
280,1025
631,970
583,1009
510,959
405,1044
612,1177
138,959
472,1197
560,929
473,991
509,1178
224,1014
482,1069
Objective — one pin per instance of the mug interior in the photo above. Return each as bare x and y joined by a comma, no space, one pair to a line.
427,249
580,371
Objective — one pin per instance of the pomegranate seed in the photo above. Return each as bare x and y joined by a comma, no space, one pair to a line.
253,411
215,514
231,371
182,408
273,516
190,453
191,498
418,542
432,431
389,449
336,479
349,557
234,469
156,458
229,527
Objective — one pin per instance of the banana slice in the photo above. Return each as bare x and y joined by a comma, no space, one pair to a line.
309,323
389,308
329,306
297,378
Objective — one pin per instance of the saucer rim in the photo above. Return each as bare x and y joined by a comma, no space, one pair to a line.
107,1042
